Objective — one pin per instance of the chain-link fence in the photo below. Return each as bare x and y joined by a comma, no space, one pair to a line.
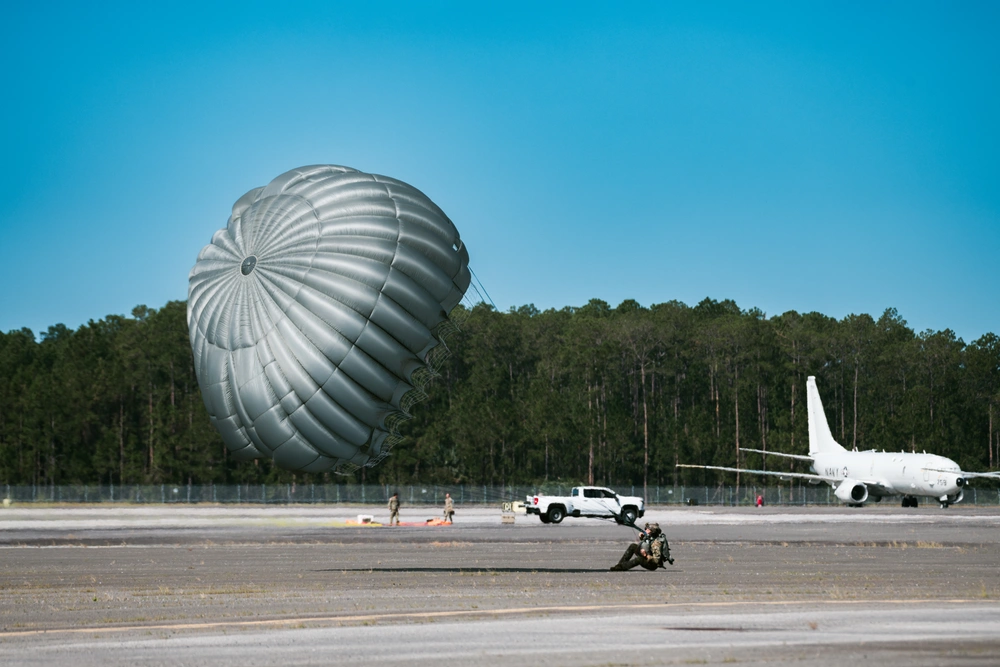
368,494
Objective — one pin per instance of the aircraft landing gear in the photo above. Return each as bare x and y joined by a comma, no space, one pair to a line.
944,504
909,501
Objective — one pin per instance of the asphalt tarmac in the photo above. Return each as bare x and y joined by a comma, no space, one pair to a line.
299,585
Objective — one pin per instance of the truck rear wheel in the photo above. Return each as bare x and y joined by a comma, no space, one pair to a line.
544,518
556,514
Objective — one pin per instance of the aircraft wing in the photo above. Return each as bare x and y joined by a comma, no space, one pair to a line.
991,475
797,475
883,488
870,483
800,457
988,475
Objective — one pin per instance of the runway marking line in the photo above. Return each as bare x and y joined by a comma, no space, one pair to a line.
450,614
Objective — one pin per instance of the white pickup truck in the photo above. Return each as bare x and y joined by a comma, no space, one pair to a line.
593,501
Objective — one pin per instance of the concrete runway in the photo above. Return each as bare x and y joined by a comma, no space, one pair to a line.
188,585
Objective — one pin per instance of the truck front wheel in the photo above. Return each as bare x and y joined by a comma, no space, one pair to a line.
629,514
556,514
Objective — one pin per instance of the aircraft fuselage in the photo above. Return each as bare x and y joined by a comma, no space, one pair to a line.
890,473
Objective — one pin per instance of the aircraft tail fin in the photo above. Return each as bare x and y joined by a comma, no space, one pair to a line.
820,439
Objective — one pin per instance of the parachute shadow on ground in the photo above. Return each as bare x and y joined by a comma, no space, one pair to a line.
468,570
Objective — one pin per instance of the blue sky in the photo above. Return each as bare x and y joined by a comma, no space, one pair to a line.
832,157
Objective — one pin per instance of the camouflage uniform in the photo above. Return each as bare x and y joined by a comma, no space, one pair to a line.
394,509
449,508
659,549
650,553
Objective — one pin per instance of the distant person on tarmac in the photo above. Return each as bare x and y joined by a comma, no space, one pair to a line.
449,508
649,552
394,509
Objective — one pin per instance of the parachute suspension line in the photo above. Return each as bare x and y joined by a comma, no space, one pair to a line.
484,289
481,299
470,304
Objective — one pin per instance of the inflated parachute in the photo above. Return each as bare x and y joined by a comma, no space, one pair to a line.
314,315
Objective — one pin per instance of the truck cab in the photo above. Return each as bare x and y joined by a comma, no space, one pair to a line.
588,501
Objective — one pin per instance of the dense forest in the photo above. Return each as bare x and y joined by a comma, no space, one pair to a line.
593,394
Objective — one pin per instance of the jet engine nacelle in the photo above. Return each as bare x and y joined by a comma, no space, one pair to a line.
852,491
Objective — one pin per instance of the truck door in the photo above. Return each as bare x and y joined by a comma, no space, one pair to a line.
589,503
611,502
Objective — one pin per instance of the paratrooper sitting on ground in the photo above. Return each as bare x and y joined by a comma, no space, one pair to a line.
649,552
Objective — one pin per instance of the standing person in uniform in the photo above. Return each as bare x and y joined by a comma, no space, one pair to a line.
449,507
650,551
394,509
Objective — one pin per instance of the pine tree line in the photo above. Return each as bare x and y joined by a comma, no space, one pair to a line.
595,394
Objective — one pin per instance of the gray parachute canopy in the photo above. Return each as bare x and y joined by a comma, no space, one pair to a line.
313,315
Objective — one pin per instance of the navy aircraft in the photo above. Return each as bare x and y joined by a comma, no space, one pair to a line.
861,477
